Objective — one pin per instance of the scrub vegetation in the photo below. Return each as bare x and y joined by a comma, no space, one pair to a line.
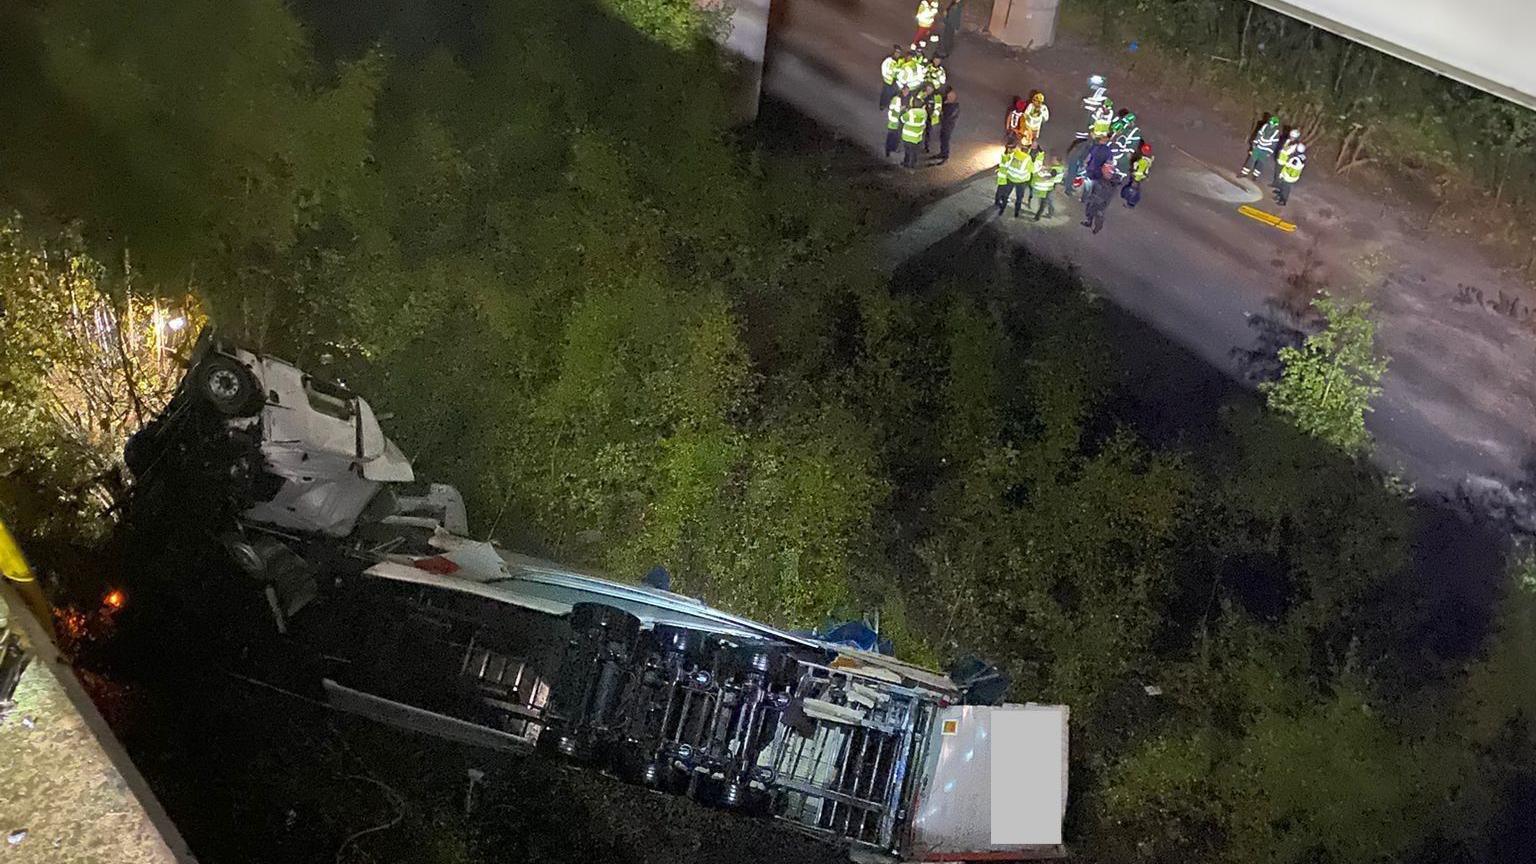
632,335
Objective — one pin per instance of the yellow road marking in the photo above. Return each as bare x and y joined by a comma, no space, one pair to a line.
1269,219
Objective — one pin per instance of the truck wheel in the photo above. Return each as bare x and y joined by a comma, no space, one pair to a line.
227,386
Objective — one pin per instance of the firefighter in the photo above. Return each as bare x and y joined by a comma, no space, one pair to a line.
1261,148
889,67
1290,172
914,125
927,13
1014,121
1035,115
1292,141
1044,182
893,123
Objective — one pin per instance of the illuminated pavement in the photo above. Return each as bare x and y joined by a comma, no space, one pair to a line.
1460,396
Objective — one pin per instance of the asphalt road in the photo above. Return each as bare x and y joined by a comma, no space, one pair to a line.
1459,398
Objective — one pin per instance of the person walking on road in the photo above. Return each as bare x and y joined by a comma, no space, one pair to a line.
1035,115
927,14
890,67
1046,179
951,114
1290,172
1099,195
914,124
1261,148
893,124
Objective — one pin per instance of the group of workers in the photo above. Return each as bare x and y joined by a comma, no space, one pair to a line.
1110,155
1289,164
918,103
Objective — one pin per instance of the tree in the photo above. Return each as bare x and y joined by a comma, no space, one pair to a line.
1327,384
85,359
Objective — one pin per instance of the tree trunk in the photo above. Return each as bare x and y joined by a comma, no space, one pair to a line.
1242,41
1338,79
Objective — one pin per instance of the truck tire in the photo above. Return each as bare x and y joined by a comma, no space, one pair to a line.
227,386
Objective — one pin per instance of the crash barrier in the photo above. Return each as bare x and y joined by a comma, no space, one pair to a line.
67,784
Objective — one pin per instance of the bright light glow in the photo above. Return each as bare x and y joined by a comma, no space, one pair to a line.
175,324
114,599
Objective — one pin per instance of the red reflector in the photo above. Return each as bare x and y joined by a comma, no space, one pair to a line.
437,564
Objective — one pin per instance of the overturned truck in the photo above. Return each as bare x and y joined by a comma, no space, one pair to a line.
432,631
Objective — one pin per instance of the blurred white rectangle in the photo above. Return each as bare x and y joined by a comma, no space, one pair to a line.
1029,790
1482,43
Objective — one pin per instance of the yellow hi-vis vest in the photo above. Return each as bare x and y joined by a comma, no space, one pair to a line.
1101,121
938,109
888,70
893,114
1035,116
1002,168
1045,180
1021,168
1290,172
1140,168
913,123
927,12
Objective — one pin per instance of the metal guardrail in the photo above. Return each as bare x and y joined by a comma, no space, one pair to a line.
28,646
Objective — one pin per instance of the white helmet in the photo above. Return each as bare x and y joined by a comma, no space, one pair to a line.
1301,148
1295,133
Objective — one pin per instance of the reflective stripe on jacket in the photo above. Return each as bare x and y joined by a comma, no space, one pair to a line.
1021,167
913,122
1045,180
1268,137
888,70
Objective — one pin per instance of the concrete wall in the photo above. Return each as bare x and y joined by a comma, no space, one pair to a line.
746,43
1024,23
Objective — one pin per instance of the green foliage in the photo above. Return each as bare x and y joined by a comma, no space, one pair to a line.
631,340
1327,383
85,359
